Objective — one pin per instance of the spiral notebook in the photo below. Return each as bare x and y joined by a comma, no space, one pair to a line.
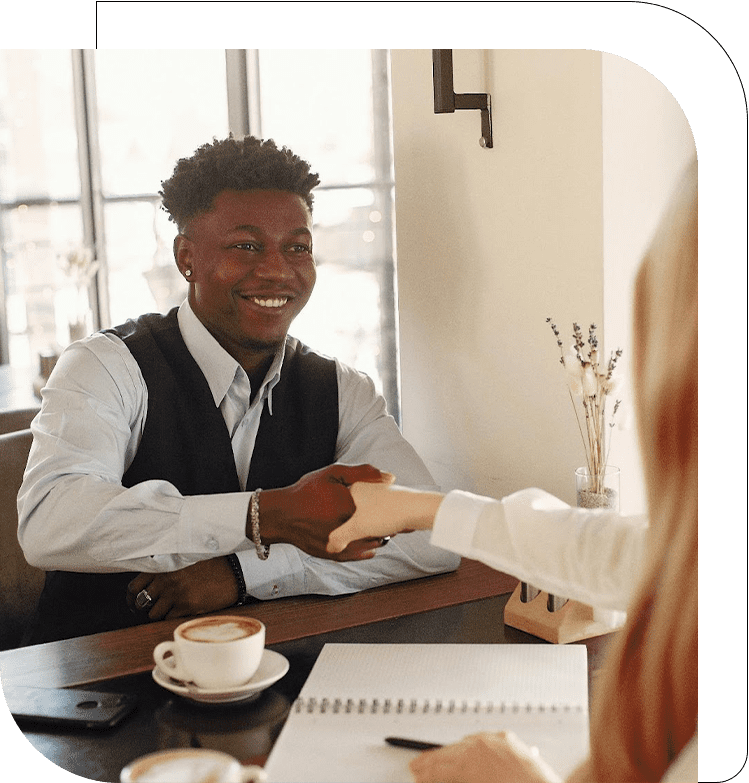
358,694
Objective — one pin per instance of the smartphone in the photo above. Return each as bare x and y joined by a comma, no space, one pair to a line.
70,707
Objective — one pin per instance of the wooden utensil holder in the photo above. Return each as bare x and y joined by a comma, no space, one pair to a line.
572,623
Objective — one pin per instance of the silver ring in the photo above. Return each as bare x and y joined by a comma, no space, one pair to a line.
384,540
143,600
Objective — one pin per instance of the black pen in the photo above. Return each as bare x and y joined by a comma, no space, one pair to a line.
402,742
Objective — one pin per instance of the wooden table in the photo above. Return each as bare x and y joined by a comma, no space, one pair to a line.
464,606
87,660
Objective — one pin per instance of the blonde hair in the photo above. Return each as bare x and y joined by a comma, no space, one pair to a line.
645,703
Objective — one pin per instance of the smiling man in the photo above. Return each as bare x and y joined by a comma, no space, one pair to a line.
142,497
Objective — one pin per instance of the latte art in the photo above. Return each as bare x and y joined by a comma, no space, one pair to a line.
220,632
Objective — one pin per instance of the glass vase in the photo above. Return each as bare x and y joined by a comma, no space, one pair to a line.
599,490
80,321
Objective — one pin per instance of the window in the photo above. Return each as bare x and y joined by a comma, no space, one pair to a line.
87,137
40,192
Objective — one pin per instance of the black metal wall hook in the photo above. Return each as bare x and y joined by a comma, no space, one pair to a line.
446,101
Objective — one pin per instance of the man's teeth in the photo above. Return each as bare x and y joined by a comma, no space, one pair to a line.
270,302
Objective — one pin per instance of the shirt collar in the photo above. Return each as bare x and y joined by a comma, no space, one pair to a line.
218,366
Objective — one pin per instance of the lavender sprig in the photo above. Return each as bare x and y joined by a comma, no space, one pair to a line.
591,383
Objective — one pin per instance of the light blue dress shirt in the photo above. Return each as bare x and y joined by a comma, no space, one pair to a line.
75,515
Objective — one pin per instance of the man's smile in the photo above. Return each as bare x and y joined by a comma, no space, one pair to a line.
270,302
267,301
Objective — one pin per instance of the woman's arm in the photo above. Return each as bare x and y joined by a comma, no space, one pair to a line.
592,556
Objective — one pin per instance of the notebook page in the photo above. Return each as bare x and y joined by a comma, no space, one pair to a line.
438,693
338,749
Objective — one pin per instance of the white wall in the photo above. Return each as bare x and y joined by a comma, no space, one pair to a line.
492,241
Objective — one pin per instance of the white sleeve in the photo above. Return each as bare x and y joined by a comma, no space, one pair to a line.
290,571
594,557
74,513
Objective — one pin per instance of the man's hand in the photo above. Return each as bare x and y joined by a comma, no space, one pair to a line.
305,513
207,586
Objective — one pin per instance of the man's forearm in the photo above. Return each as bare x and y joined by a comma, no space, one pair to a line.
78,526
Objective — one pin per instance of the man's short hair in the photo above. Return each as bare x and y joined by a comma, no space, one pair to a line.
244,163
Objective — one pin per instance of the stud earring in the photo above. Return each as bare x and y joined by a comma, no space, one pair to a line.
188,272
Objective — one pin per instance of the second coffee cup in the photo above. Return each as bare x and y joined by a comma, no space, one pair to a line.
215,653
190,765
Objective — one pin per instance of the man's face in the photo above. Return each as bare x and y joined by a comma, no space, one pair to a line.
252,268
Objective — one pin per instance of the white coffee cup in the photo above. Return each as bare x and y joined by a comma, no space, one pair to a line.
190,765
215,653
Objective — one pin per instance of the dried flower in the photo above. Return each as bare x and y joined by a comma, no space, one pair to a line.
79,265
574,369
592,384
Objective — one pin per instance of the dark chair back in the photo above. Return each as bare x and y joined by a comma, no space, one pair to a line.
14,419
20,583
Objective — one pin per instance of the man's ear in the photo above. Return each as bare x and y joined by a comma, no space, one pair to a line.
183,250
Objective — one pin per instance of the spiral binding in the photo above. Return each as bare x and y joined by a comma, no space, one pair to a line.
414,706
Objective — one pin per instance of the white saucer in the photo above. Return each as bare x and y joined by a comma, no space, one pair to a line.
272,667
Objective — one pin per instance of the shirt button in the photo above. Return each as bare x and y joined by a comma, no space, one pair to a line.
275,591
212,544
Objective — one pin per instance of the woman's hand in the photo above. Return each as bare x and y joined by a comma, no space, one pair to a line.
483,758
383,509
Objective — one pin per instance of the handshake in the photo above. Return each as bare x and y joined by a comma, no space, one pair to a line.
343,512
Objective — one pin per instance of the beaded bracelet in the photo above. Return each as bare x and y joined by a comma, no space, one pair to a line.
262,550
239,576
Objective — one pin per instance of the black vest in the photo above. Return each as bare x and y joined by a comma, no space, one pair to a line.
185,442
